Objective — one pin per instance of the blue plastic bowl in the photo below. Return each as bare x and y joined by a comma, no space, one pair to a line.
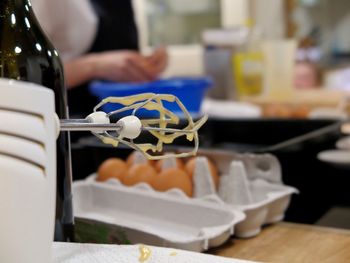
191,92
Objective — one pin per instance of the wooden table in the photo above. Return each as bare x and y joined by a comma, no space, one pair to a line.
287,242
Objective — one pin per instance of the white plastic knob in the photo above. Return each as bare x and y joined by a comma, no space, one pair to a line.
131,127
98,117
57,125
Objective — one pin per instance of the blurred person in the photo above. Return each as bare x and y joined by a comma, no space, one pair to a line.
306,73
96,40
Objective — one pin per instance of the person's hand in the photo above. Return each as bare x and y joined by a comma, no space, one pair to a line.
126,66
159,60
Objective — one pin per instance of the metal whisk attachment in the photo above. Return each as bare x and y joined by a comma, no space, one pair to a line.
127,129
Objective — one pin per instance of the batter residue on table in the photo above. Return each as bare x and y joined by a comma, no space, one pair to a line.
145,253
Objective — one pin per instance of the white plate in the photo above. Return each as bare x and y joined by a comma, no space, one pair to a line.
230,109
327,113
338,157
344,144
88,253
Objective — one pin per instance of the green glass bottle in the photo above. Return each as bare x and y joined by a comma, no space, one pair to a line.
26,54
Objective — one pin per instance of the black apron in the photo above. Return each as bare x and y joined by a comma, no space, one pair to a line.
116,31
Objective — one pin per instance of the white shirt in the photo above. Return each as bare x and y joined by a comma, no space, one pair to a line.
71,25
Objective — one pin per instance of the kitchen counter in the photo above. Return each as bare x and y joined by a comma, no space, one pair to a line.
286,242
283,242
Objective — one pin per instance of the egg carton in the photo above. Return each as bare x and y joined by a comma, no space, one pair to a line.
142,215
251,183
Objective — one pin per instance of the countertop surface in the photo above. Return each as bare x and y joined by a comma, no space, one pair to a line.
283,242
286,242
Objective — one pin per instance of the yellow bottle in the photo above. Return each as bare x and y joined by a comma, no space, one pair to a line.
248,65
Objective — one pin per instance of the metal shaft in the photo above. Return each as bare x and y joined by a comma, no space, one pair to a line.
84,125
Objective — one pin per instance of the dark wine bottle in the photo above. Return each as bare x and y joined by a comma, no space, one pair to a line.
26,54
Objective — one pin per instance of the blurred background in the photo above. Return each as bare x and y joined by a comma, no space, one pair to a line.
281,83
319,28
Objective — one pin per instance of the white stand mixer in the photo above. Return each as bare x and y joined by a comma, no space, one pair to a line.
27,172
28,131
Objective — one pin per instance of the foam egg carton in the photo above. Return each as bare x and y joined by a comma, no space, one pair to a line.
169,219
251,183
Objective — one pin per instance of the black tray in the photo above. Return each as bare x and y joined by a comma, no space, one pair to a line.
295,142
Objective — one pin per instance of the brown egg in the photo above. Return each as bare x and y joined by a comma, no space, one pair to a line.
277,111
173,178
301,112
179,164
131,159
140,173
112,168
191,165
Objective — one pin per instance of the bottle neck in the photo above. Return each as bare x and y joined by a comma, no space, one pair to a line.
9,6
18,15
